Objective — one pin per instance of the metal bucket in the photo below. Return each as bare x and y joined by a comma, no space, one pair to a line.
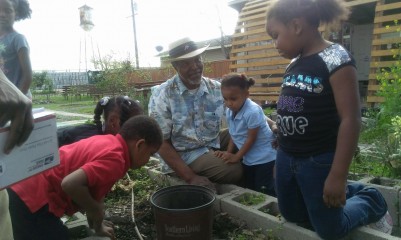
183,212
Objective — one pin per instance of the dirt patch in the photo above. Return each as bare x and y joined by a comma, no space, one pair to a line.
118,210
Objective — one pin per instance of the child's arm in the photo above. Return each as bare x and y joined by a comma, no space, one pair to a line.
225,155
75,185
230,146
228,157
272,125
345,89
250,140
23,57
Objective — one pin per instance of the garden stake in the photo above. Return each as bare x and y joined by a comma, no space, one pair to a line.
132,210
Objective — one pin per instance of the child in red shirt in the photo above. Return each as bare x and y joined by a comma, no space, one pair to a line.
88,169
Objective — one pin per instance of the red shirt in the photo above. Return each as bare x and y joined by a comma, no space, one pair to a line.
104,158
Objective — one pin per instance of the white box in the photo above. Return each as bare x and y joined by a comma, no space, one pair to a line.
38,153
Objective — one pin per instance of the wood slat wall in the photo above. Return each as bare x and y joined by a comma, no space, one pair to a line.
385,14
254,54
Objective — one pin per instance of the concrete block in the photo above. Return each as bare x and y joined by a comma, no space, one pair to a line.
79,226
366,233
266,216
164,179
390,189
270,224
225,188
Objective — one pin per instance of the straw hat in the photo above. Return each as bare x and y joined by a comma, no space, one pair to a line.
183,49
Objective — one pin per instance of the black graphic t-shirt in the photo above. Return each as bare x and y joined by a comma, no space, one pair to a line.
307,115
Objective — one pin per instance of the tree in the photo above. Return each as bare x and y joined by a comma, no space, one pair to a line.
113,77
41,83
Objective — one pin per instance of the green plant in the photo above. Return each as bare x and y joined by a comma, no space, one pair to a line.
42,84
250,199
268,111
113,79
389,80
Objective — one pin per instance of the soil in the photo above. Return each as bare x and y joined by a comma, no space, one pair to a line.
118,210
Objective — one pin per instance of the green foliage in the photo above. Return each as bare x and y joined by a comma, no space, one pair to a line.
383,127
250,199
42,84
390,88
113,77
268,111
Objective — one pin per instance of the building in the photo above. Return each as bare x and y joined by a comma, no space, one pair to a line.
370,34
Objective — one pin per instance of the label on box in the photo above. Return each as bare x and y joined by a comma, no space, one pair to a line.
37,154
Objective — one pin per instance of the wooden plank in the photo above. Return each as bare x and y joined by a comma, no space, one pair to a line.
387,18
260,16
272,53
386,41
373,87
267,81
258,39
374,99
250,49
256,89
373,76
265,93
390,6
280,61
264,98
358,2
250,5
253,11
382,64
241,26
380,53
257,31
380,30
264,72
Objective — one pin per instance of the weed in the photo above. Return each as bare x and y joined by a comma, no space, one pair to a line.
250,199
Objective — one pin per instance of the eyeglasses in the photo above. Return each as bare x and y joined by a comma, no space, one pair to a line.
198,60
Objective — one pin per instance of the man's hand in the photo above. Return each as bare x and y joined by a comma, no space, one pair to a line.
202,181
14,106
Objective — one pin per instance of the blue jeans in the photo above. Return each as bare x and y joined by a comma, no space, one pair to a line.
260,178
299,188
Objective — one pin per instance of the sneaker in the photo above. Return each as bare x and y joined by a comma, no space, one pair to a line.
385,224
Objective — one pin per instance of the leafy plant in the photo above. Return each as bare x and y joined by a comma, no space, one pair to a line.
113,77
389,80
42,84
250,199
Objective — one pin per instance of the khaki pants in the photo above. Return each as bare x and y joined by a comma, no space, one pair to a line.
215,168
6,231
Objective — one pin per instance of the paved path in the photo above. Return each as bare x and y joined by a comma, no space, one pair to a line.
72,122
72,114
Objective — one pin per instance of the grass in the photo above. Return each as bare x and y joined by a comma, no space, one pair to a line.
83,105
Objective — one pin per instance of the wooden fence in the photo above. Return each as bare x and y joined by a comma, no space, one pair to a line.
253,51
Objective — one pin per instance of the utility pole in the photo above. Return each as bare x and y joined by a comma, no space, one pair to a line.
134,27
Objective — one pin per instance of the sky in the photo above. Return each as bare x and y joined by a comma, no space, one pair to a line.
57,42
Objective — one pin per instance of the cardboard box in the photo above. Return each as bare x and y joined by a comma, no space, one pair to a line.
37,154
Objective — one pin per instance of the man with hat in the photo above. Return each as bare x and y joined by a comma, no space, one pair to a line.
189,109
